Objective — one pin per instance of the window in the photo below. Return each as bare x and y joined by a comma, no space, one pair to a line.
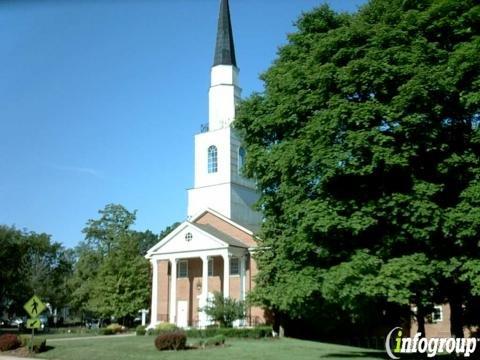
437,314
188,236
212,159
241,160
210,267
182,271
234,266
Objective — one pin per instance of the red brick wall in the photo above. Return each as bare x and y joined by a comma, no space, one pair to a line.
256,313
438,329
163,290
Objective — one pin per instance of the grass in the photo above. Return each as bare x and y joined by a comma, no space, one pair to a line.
141,347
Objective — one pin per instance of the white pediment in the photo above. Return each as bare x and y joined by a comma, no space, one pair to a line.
179,241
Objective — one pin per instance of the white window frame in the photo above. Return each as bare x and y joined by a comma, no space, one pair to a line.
179,267
440,312
238,266
212,159
210,267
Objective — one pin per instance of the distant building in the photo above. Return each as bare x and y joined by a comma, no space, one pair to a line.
211,251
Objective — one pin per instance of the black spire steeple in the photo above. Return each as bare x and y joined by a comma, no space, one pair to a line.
224,50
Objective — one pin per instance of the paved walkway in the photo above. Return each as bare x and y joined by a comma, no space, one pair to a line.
8,357
89,337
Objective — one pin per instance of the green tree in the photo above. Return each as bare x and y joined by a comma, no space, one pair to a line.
32,263
104,233
112,277
367,137
224,310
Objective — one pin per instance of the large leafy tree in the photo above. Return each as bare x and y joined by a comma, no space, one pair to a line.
111,275
32,264
367,137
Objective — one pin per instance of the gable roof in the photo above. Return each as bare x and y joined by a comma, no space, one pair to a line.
224,218
221,235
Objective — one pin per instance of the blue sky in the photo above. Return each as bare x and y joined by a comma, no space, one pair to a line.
99,102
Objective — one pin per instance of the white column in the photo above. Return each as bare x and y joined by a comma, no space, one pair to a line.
243,260
173,291
226,275
153,311
204,297
242,277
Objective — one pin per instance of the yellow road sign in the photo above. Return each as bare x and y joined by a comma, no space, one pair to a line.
33,323
34,306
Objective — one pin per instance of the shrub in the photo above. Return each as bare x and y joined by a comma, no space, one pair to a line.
116,328
106,331
39,345
261,332
163,328
140,330
9,342
24,339
215,341
166,327
224,310
174,340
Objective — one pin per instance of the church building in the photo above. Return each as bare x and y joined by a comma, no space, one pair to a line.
211,251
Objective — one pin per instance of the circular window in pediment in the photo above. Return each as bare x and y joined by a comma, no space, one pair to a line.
188,236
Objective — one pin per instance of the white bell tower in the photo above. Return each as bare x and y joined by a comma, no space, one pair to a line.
219,155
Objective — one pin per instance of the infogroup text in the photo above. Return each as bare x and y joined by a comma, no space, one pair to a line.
431,346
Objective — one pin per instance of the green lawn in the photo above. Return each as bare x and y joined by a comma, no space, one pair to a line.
135,347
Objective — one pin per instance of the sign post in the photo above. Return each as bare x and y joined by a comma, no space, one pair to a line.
34,307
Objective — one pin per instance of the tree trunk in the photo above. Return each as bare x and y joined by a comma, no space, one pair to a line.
421,320
278,324
456,317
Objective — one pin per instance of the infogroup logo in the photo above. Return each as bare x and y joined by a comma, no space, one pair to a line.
431,347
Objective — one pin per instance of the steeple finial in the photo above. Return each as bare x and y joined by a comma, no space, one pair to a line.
224,50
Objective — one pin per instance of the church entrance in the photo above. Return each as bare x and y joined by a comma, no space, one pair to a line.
182,310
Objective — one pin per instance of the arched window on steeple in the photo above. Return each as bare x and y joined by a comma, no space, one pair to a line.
241,160
212,159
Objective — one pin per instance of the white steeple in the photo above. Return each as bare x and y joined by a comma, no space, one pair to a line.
219,155
224,91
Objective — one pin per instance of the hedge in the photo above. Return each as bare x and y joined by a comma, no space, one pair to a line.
251,333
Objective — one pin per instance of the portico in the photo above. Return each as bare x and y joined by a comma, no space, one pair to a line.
189,265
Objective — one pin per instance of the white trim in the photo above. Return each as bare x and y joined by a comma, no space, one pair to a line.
154,250
166,239
440,311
